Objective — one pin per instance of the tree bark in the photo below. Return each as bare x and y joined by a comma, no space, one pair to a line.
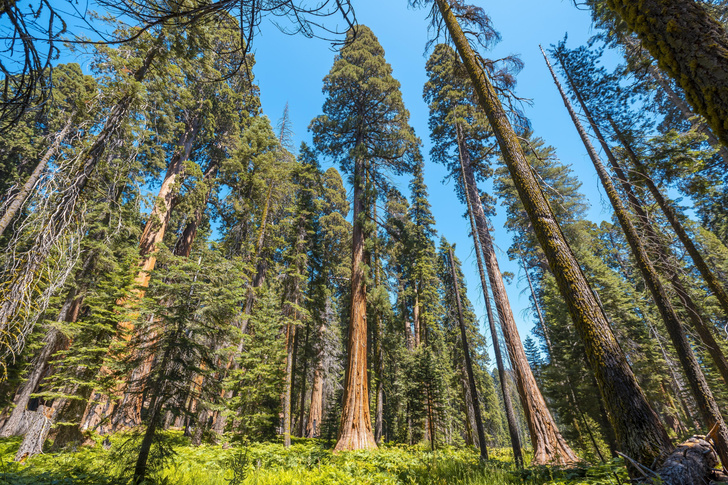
706,403
548,444
290,337
356,427
315,411
39,423
690,46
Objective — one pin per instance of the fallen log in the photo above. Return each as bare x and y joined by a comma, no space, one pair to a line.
693,462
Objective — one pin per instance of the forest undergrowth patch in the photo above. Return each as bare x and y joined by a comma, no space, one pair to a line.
305,462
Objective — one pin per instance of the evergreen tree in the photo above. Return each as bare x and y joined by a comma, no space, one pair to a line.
366,131
640,433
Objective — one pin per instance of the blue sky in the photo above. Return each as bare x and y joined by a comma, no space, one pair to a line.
291,69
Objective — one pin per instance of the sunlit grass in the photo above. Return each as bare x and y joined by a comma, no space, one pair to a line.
306,462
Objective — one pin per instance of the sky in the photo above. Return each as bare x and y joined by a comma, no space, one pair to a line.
290,69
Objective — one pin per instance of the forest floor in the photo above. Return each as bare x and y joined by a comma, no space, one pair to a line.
306,462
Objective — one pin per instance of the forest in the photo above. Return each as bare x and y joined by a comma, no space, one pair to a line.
197,290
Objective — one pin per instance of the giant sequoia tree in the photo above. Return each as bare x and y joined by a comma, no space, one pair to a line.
365,128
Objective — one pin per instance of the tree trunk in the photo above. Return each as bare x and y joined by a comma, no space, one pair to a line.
690,46
17,422
39,423
128,412
17,200
471,437
548,444
666,261
356,427
315,412
692,462
183,247
304,380
706,403
639,431
468,362
507,403
290,337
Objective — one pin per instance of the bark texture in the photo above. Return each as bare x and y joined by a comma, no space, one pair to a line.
39,423
356,426
690,46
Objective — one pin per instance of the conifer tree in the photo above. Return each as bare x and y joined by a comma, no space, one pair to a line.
701,392
461,136
366,131
640,433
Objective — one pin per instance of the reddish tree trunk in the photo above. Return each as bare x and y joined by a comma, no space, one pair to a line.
548,444
356,427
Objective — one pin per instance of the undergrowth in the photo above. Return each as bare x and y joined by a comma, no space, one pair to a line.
305,462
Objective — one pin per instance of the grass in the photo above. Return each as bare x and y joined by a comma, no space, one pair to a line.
305,462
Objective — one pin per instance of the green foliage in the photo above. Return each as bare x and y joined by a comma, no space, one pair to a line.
305,462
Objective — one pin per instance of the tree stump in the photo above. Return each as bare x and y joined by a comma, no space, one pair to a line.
39,424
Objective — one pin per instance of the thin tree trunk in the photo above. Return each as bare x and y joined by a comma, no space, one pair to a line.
539,314
17,200
468,362
548,444
416,317
356,427
507,403
471,438
706,403
290,336
304,380
667,208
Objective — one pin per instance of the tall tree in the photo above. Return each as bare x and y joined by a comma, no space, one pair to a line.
701,392
364,127
640,433
461,140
